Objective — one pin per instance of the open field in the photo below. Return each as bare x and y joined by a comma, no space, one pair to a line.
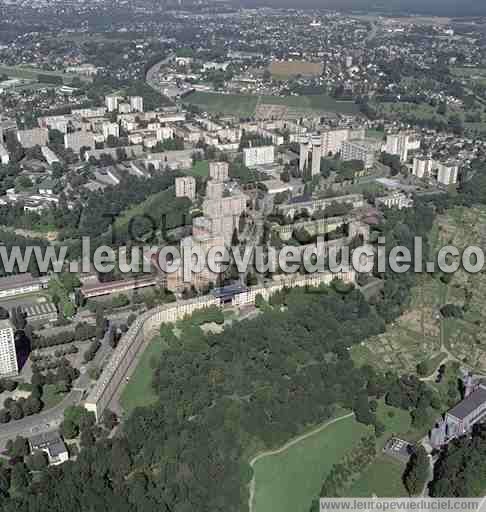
288,481
138,392
288,69
245,105
237,104
200,169
33,73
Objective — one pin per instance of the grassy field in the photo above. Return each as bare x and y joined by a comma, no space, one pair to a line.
33,73
245,105
237,104
138,392
288,482
383,478
199,169
50,397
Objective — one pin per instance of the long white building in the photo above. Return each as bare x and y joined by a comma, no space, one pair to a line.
8,356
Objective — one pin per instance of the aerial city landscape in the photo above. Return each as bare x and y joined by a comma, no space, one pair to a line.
161,165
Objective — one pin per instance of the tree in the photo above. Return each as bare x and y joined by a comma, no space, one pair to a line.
417,471
19,477
109,419
37,461
4,416
69,429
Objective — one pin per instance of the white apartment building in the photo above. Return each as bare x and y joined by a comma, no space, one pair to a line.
111,129
4,156
422,167
261,155
186,187
8,355
359,150
401,143
447,173
164,132
218,171
136,103
397,199
78,140
33,137
332,141
111,103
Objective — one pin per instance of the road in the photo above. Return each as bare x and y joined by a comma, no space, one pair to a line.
41,422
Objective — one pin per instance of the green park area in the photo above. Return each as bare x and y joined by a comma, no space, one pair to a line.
200,169
289,479
245,105
139,392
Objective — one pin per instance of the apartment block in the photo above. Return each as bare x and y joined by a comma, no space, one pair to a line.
218,171
33,137
186,187
360,149
8,354
261,155
78,140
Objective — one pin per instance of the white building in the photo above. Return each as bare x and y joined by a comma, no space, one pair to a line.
111,103
4,156
186,187
401,143
261,155
422,167
447,173
52,444
164,132
359,150
136,102
49,155
396,199
78,140
8,355
33,137
218,171
111,129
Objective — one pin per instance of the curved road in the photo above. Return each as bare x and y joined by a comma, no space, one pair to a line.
42,422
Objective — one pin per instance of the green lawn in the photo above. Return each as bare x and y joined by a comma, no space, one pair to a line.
50,397
138,391
289,481
245,105
321,102
33,73
200,169
383,478
238,104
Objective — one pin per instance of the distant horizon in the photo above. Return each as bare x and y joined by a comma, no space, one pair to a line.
438,8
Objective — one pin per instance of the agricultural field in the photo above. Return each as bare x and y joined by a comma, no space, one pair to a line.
237,104
287,69
421,334
30,72
246,105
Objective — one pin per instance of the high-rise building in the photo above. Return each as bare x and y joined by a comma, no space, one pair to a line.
111,129
401,143
316,160
186,187
111,103
4,156
218,171
359,150
33,137
78,140
332,140
422,167
8,354
447,173
136,102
